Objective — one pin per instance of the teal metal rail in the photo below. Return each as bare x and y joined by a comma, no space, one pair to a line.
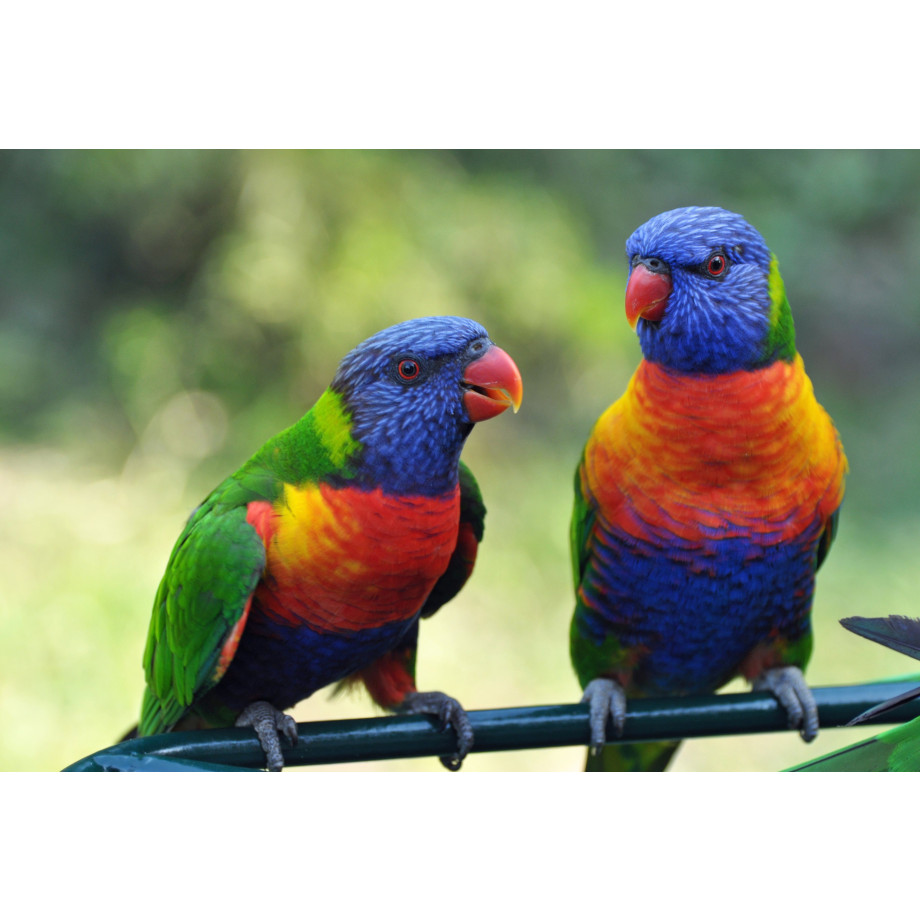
388,737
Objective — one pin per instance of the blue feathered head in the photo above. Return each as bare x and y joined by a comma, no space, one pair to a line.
705,293
411,394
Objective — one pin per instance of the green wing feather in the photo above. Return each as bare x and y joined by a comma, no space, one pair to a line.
588,661
472,507
472,521
583,515
894,751
212,572
827,538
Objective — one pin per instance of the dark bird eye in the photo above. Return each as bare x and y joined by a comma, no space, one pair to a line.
408,369
716,264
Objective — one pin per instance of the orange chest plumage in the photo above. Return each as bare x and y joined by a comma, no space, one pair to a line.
341,560
751,452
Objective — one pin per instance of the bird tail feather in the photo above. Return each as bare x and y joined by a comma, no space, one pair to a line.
650,756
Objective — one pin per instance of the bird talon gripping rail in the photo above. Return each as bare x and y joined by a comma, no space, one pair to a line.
388,737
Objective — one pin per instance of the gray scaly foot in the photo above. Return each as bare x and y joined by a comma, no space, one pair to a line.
449,713
605,698
268,722
788,685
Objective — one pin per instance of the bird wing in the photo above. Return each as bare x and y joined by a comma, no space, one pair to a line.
200,610
469,536
894,751
895,632
827,538
583,516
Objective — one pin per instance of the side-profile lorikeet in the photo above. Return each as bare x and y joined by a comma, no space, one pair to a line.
313,563
895,750
707,496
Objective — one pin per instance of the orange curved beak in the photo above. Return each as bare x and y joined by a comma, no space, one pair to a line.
493,384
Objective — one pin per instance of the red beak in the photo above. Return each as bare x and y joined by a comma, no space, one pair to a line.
646,295
493,384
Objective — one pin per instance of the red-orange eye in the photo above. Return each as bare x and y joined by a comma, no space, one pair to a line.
408,369
716,265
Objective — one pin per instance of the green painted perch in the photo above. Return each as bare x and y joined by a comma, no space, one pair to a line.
384,738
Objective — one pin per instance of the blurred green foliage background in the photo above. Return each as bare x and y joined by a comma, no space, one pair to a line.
162,313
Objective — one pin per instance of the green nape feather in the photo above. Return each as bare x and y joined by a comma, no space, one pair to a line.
318,445
780,343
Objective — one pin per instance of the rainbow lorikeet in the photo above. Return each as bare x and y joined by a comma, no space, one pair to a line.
313,563
895,750
708,495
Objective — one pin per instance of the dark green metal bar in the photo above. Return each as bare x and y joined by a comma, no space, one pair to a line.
388,737
110,761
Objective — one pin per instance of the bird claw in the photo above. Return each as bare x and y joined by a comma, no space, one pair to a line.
788,685
268,723
605,698
449,713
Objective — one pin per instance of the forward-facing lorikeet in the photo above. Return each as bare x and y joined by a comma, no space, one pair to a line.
314,561
707,496
898,749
